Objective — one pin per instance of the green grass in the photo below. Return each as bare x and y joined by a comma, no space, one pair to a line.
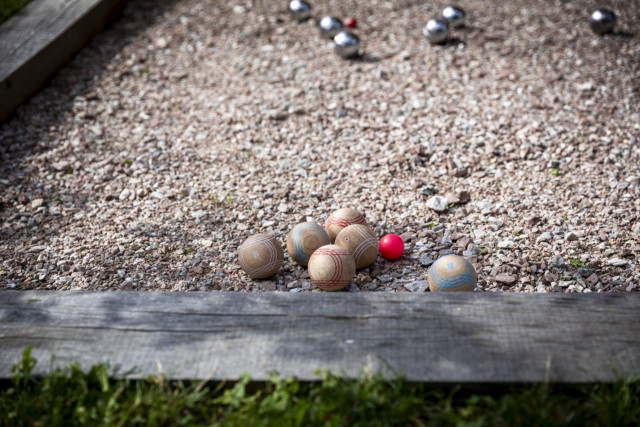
10,7
69,397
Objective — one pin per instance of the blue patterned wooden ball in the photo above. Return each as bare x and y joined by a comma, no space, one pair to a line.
452,273
304,239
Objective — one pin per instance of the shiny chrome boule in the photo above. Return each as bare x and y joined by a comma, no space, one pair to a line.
436,30
346,44
603,21
330,26
299,10
454,15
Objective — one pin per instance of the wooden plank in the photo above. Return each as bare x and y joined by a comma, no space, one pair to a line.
37,41
444,338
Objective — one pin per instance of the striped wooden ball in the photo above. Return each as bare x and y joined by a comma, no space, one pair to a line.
361,241
304,239
332,267
452,273
340,219
261,256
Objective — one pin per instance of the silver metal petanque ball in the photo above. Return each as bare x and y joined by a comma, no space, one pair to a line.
299,10
346,44
603,21
436,30
454,15
330,26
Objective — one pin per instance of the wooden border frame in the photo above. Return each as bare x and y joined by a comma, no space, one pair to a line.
463,338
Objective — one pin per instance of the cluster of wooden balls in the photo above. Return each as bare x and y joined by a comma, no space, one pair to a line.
334,252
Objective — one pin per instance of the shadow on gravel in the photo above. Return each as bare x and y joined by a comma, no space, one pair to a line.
623,35
27,133
128,24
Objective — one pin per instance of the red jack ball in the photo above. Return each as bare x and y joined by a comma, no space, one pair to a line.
391,246
351,23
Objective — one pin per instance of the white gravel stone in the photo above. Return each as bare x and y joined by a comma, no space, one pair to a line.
617,262
544,237
506,244
438,203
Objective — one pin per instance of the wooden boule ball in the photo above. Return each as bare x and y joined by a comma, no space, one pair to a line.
342,218
361,241
452,273
304,239
332,267
261,256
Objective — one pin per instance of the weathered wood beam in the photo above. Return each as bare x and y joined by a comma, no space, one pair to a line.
444,338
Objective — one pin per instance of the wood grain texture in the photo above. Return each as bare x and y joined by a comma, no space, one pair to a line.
444,338
40,39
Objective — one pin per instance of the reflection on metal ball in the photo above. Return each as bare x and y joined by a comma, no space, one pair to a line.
436,30
603,21
454,15
299,10
330,26
346,44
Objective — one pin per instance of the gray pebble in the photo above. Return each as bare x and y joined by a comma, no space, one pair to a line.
571,236
294,284
558,262
426,260
428,190
617,262
484,204
419,286
446,241
585,272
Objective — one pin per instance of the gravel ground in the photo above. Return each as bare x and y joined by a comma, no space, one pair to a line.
187,126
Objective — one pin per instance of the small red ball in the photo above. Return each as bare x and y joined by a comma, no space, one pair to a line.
391,246
351,23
